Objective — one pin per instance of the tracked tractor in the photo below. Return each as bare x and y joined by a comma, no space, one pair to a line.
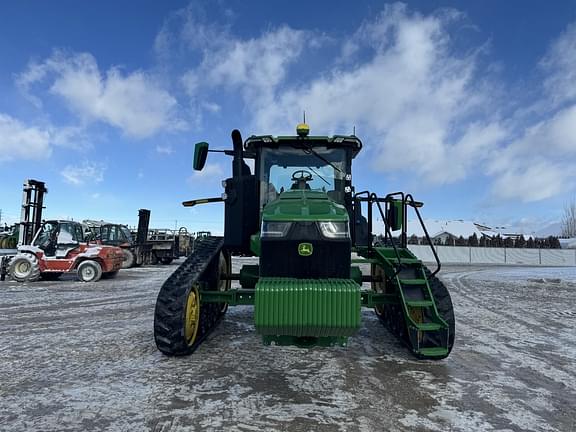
299,213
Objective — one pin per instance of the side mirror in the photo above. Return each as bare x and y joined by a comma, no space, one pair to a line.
395,215
200,155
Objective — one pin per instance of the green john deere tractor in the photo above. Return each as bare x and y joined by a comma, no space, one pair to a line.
301,216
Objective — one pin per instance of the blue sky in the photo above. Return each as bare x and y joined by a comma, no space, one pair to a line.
471,106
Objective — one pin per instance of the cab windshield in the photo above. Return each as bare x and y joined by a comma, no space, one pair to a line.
326,168
115,233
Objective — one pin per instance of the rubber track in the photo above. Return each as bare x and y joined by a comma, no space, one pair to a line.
443,304
171,303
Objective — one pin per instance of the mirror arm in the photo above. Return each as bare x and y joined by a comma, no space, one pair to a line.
192,203
227,152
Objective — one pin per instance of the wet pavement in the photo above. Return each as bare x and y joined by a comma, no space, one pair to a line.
77,356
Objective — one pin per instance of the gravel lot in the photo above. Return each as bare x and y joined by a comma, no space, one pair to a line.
81,357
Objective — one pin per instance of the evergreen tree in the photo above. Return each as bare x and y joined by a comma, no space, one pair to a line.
520,242
553,242
497,241
482,241
413,239
530,243
508,242
473,240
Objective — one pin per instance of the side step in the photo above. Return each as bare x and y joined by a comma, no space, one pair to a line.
427,332
433,352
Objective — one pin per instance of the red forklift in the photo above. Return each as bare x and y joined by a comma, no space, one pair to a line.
48,249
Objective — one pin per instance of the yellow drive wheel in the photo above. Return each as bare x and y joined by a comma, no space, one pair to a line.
192,316
224,268
380,287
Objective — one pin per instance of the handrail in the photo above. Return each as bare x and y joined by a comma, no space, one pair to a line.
415,207
388,232
407,200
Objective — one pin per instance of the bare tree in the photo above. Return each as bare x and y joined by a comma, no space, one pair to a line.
569,219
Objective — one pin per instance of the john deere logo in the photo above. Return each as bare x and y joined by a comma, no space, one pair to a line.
305,249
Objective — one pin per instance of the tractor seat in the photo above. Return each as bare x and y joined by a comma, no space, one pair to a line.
296,186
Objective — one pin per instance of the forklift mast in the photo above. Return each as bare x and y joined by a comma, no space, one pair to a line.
32,206
143,224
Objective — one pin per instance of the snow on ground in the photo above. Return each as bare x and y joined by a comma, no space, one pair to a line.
553,275
80,356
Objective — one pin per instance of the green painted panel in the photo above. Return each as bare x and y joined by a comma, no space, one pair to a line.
255,244
304,205
307,307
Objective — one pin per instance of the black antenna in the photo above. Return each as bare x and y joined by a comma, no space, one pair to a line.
354,130
304,116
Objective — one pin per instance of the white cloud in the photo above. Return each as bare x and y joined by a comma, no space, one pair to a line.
540,163
22,141
19,141
212,172
255,67
409,98
559,64
164,149
134,102
534,182
420,103
211,107
87,172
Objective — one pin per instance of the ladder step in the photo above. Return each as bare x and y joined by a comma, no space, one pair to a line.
428,326
419,303
410,261
433,352
413,281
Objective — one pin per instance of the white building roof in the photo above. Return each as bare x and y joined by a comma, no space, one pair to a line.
457,228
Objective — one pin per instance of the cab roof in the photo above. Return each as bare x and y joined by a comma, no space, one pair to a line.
254,143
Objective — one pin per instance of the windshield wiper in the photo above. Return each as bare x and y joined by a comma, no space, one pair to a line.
309,150
311,169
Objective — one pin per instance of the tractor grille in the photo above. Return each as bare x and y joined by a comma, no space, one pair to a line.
330,258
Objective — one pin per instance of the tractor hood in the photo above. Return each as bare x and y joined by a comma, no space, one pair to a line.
304,205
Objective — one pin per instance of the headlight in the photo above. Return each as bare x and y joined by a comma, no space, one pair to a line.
334,229
275,229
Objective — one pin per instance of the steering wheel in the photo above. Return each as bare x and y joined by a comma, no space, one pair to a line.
300,180
304,175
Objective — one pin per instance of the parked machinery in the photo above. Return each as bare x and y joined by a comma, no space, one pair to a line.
47,249
159,245
9,237
59,247
144,245
111,234
300,215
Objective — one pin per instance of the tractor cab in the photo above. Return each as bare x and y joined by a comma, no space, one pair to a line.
293,176
58,238
303,162
115,235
